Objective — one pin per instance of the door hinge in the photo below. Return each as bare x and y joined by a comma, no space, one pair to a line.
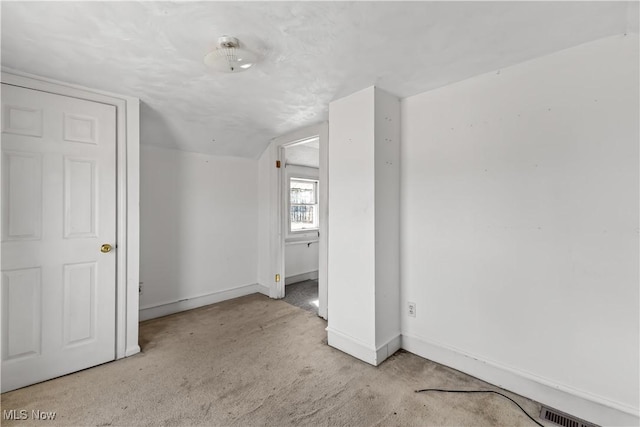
277,277
277,164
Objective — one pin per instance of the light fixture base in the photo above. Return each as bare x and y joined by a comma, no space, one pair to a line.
229,57
228,41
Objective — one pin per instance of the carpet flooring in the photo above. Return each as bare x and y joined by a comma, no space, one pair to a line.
303,294
254,361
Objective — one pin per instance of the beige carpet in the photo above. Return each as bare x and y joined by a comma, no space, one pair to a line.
257,361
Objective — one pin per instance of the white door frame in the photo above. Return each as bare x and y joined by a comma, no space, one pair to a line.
127,196
278,234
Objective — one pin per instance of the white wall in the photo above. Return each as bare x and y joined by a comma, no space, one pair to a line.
199,229
519,212
351,218
301,258
364,172
387,215
267,220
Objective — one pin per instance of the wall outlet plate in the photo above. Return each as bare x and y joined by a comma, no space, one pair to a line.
411,309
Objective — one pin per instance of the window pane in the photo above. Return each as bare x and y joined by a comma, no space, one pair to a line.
303,207
303,192
303,217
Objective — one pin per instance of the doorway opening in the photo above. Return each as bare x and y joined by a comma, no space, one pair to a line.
301,222
279,188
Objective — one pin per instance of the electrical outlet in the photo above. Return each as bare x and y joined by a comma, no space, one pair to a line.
140,288
411,309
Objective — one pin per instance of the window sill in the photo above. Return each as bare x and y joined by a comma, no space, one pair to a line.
300,242
306,237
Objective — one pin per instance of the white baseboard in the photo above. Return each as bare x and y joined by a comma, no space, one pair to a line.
270,291
352,346
263,289
361,350
165,309
132,350
386,350
311,275
583,405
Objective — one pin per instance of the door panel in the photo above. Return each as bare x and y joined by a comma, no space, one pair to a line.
79,303
22,298
59,207
79,198
22,213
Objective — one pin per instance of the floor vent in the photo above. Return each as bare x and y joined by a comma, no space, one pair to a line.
562,419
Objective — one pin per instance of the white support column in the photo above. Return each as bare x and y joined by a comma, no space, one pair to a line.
364,186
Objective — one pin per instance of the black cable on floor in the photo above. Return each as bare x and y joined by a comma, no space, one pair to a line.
480,391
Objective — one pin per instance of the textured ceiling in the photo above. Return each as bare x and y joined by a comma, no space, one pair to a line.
311,53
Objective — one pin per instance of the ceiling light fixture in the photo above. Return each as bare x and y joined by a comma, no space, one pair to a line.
229,57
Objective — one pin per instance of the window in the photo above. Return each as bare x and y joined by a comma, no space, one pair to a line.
303,205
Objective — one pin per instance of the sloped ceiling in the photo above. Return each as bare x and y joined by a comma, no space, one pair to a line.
311,53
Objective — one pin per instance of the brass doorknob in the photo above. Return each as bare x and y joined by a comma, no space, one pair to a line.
105,248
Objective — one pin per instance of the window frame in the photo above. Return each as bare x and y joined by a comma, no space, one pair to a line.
307,174
316,206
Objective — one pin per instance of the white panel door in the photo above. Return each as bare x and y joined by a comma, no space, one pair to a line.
58,209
